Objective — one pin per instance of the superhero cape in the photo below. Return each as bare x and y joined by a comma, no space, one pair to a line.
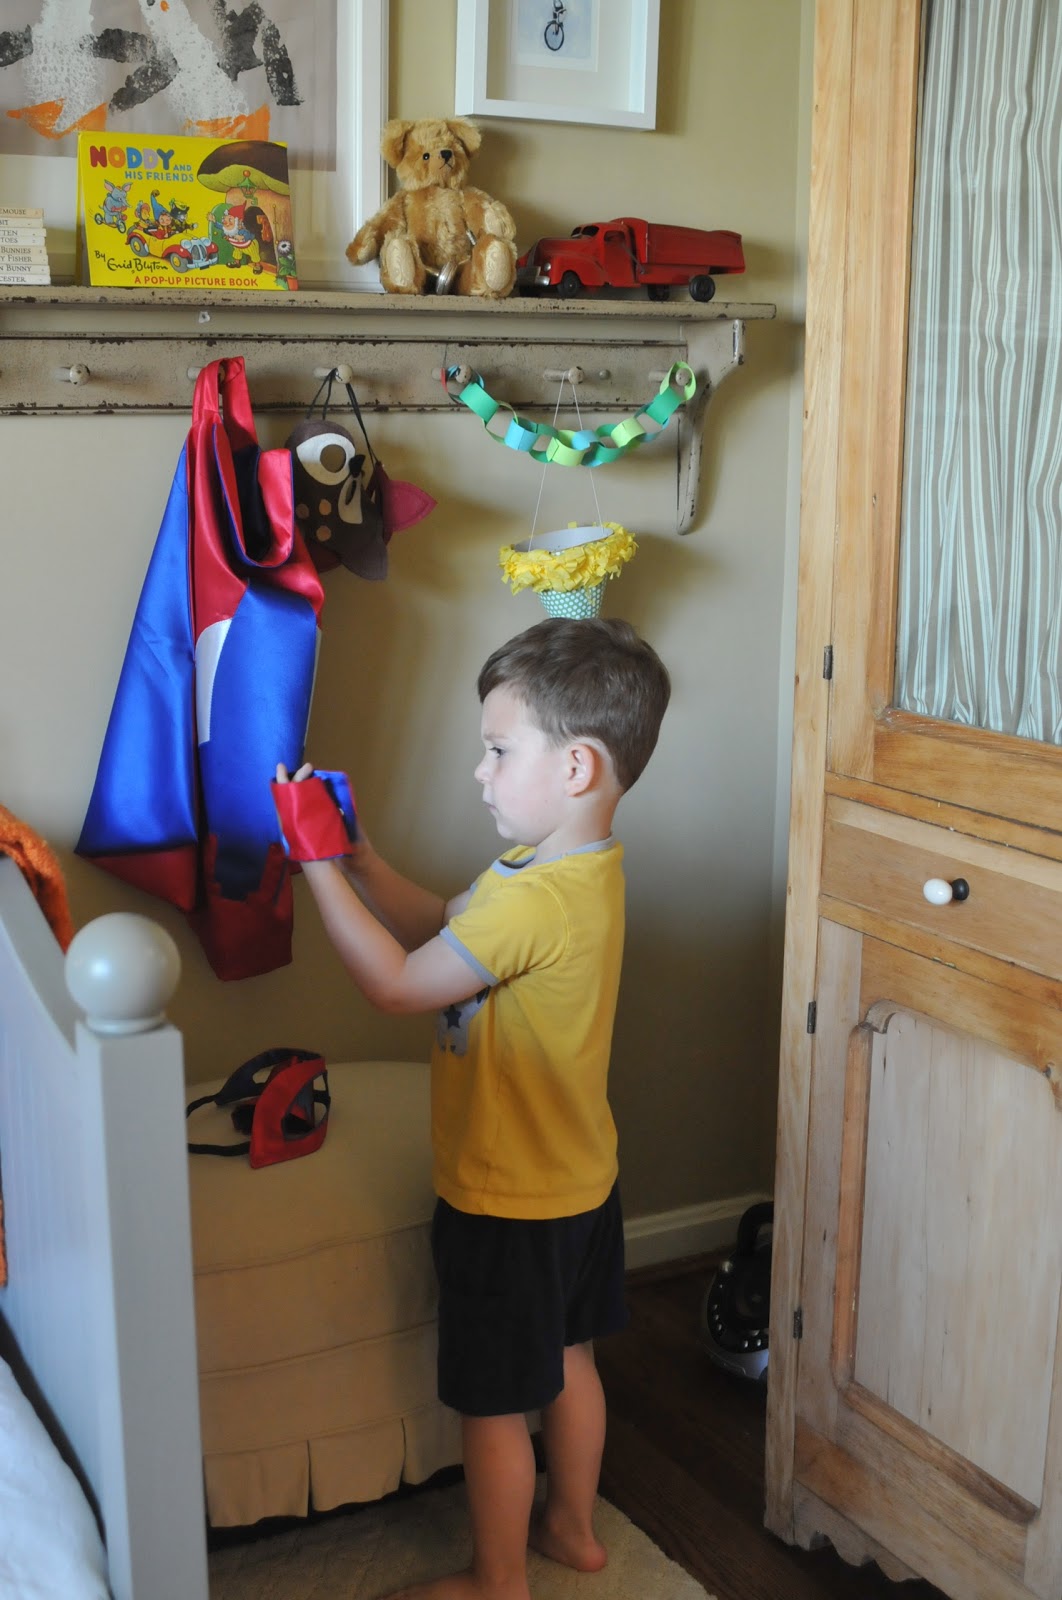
214,691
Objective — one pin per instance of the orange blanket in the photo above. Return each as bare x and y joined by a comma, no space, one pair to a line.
41,869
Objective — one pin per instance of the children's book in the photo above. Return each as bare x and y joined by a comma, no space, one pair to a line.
22,217
177,212
21,239
23,251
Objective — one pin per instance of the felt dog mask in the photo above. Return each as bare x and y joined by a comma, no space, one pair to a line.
345,513
338,511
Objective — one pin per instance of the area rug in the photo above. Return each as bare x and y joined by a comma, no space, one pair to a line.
374,1550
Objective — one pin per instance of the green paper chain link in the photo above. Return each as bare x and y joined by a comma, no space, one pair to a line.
586,447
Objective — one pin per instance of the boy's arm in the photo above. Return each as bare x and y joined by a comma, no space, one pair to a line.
390,977
412,914
403,967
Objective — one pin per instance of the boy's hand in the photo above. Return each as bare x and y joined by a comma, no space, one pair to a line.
316,813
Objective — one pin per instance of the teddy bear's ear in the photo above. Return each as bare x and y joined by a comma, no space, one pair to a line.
393,140
467,133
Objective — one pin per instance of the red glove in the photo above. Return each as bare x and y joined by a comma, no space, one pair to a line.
317,817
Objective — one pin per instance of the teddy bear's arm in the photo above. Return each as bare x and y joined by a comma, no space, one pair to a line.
366,243
486,215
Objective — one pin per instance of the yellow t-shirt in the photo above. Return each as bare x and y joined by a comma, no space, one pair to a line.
521,1125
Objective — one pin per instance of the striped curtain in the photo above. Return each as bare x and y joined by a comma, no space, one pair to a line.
979,636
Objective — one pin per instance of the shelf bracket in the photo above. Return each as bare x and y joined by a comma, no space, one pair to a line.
715,350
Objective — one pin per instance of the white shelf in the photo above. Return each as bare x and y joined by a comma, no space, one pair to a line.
137,351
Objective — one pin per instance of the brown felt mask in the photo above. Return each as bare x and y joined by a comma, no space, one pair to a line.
338,506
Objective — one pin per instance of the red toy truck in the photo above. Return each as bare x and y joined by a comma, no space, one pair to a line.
627,253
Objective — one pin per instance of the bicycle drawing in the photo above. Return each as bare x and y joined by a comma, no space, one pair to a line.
554,30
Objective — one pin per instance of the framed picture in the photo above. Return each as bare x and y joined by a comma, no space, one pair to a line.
311,76
558,60
332,203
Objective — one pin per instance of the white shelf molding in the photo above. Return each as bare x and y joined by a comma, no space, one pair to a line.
75,351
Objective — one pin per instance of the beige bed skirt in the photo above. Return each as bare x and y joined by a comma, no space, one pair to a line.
316,1305
333,1469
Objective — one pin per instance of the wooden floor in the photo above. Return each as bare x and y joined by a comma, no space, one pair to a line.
684,1457
684,1460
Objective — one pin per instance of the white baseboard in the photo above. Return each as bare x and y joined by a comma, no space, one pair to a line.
689,1231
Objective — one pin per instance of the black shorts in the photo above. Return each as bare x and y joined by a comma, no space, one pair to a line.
513,1294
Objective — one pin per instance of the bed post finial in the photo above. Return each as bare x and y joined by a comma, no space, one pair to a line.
122,970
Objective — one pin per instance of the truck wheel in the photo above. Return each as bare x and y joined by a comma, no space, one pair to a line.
702,287
570,284
659,291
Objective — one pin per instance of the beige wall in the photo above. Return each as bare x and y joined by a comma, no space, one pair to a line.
694,1063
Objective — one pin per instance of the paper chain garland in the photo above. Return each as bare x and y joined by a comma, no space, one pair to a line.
586,447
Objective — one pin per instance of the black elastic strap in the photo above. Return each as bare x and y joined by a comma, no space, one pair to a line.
220,1149
241,1090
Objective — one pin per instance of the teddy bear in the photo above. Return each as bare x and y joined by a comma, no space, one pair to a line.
437,235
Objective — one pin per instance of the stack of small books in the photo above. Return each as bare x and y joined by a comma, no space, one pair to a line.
23,256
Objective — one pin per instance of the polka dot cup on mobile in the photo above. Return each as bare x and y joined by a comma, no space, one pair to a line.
573,602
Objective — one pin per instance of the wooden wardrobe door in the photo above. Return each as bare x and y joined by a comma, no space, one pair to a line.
915,1380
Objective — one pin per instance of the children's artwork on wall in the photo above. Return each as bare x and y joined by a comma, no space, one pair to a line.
559,33
189,66
581,61
310,77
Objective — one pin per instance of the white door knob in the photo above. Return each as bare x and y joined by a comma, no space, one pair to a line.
939,892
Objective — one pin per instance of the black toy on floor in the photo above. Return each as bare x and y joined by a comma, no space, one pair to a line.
735,1313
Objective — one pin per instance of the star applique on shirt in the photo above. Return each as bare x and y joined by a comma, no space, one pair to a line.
452,1029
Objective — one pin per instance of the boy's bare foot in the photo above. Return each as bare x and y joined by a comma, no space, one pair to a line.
462,1586
571,1547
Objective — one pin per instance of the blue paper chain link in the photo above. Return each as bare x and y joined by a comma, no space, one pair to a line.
585,447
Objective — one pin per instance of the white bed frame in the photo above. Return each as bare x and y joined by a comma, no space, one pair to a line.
94,1176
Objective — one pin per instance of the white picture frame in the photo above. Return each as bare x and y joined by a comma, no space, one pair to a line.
581,61
328,206
331,206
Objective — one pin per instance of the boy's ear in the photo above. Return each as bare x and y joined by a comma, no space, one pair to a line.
586,765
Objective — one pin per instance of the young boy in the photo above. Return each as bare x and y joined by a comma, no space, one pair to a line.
524,967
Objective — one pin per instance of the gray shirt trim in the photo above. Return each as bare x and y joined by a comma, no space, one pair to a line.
466,955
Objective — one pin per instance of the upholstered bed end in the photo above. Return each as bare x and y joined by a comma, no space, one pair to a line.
315,1307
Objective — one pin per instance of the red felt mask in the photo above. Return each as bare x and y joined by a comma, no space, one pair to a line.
274,1100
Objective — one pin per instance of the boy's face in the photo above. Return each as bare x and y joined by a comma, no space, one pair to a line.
521,772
